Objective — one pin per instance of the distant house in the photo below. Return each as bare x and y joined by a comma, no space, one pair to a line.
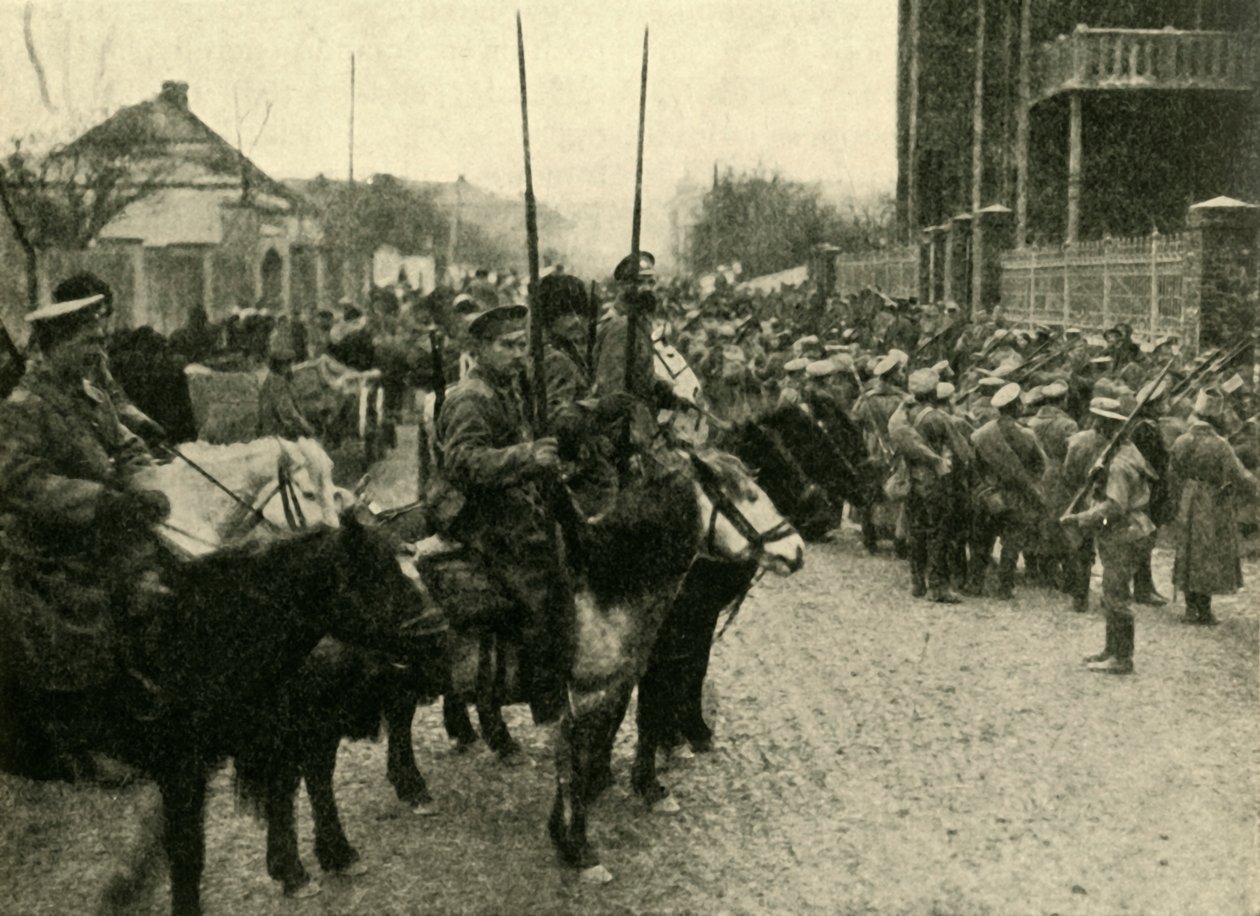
216,232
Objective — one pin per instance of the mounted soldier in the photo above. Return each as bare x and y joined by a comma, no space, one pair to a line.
491,459
636,284
578,420
80,578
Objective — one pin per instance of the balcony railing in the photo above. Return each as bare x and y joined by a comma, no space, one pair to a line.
1146,59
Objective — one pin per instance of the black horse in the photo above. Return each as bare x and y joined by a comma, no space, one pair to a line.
808,470
240,625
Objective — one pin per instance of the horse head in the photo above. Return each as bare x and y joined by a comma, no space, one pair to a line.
741,521
384,606
306,494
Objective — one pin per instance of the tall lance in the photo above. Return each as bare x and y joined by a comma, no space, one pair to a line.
633,310
537,356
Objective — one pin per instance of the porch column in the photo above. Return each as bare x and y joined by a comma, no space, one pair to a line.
1074,170
1022,108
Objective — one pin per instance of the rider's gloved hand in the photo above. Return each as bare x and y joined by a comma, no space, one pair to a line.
146,507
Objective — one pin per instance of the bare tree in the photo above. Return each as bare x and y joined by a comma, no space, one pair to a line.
64,198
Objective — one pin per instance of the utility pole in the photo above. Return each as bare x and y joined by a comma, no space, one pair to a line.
351,169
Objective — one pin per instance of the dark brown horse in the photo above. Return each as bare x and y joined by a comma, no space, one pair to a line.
239,627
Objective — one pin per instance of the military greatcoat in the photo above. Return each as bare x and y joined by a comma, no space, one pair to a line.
64,458
1213,483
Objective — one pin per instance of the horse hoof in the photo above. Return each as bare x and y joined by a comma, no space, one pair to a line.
463,747
667,805
683,752
305,892
425,809
596,874
353,870
512,758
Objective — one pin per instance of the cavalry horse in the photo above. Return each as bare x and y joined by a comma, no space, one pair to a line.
239,626
630,564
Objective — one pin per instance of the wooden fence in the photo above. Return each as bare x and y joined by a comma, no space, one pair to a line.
1096,285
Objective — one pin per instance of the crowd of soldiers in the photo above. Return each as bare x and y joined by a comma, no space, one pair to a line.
1042,444
1047,444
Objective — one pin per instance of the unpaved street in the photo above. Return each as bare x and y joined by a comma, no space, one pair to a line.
874,754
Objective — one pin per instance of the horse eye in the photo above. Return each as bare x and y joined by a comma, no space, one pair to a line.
308,494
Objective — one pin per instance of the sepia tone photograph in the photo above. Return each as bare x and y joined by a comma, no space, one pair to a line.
660,457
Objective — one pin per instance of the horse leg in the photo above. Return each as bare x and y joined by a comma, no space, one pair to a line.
124,891
332,849
284,862
400,759
183,801
458,726
567,823
601,776
491,672
654,720
695,668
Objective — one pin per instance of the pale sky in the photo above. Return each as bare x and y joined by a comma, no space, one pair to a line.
804,86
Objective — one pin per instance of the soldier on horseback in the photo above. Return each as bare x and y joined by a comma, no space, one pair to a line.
490,457
79,581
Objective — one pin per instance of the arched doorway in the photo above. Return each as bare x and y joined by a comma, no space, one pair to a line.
273,280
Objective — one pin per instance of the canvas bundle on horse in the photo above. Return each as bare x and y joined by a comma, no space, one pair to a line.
224,404
205,516
239,626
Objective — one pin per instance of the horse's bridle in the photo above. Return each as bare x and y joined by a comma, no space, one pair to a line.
293,514
723,505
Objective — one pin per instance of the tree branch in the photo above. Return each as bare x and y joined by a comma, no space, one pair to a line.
28,34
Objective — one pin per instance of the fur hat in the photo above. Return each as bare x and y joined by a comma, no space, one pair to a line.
944,391
561,294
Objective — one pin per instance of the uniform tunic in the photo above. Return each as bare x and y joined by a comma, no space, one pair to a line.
67,563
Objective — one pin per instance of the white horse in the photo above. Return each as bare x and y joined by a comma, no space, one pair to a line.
204,517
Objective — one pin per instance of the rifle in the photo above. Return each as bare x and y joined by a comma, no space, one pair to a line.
538,377
1104,457
1209,367
592,329
633,316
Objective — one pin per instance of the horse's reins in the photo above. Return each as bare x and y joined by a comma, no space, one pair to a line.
723,505
293,513
248,507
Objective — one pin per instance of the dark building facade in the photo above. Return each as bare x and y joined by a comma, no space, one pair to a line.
1086,118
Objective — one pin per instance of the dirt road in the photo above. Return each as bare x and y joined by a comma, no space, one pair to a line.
874,754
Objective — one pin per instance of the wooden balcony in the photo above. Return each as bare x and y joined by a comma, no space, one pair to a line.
1166,59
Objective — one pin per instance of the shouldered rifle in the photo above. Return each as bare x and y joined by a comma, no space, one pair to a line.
633,316
592,330
1209,367
1099,466
538,376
